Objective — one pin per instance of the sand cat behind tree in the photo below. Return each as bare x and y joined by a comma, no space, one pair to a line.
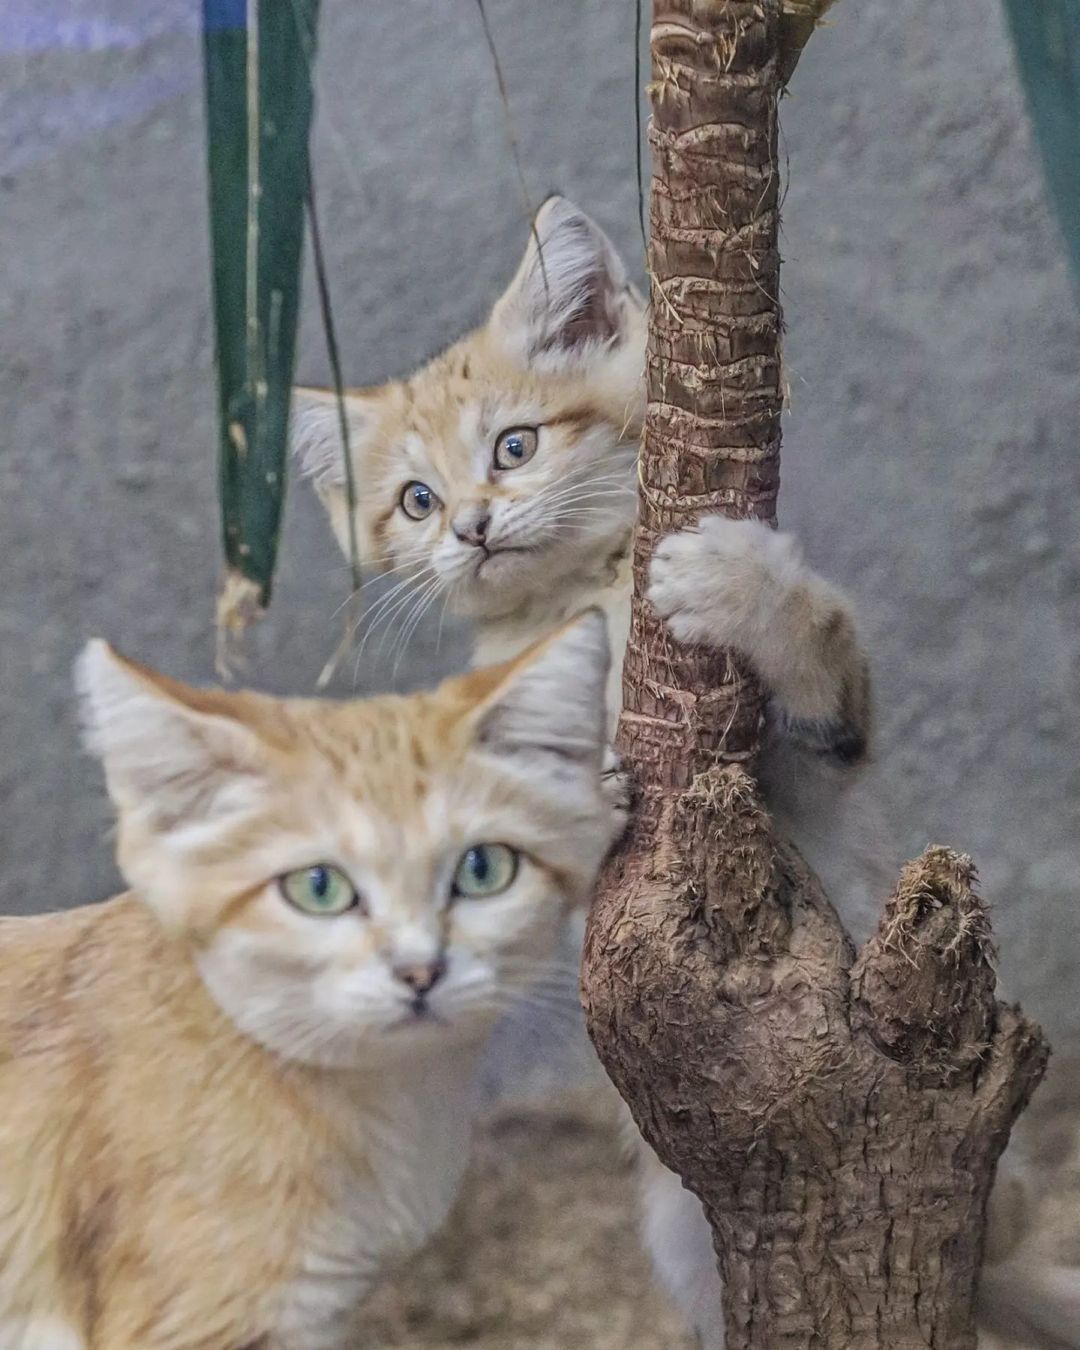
231,1095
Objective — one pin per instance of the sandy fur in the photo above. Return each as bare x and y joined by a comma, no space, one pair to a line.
223,1115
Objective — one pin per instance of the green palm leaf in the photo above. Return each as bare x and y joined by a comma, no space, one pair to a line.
258,56
1046,34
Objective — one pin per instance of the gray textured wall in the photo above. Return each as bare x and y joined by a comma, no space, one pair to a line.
933,350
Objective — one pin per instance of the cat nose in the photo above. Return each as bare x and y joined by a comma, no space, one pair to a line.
421,977
471,525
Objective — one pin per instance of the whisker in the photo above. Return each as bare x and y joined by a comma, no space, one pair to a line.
385,572
427,598
399,603
374,580
582,482
562,512
423,596
381,601
558,492
546,503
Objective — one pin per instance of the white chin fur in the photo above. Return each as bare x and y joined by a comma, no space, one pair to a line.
512,579
501,583
509,572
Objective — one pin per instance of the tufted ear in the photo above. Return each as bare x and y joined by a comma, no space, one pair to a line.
172,753
315,434
570,293
315,437
550,699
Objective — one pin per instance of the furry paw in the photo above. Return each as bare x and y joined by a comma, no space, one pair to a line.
722,582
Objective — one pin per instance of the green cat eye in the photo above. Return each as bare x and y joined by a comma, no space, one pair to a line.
319,890
515,447
485,869
418,501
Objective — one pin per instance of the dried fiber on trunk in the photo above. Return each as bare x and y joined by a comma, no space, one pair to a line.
839,1115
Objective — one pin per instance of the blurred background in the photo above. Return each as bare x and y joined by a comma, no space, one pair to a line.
933,350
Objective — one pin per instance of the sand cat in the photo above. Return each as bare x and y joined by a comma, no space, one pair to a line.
232,1094
501,477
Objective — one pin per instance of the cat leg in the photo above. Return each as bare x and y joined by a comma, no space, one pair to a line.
679,1241
739,584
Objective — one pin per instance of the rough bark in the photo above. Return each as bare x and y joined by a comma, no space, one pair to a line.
839,1115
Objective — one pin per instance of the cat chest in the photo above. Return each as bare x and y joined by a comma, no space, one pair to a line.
375,1215
504,638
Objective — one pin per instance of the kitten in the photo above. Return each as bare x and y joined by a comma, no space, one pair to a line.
502,475
234,1093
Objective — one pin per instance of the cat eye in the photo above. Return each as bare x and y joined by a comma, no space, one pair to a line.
515,447
418,501
485,869
321,889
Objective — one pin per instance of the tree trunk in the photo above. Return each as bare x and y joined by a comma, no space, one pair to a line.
839,1115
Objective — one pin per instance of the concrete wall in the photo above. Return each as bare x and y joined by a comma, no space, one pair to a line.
933,349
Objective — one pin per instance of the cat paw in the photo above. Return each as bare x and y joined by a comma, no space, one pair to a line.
721,582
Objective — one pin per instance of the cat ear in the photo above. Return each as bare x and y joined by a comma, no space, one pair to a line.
551,698
168,750
315,434
315,437
570,292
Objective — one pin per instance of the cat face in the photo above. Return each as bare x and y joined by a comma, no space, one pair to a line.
509,460
361,880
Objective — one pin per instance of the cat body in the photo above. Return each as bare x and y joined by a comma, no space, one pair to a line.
502,478
226,1110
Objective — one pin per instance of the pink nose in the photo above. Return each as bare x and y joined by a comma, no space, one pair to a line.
471,526
421,978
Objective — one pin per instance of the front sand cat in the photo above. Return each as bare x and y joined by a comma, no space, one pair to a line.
232,1094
